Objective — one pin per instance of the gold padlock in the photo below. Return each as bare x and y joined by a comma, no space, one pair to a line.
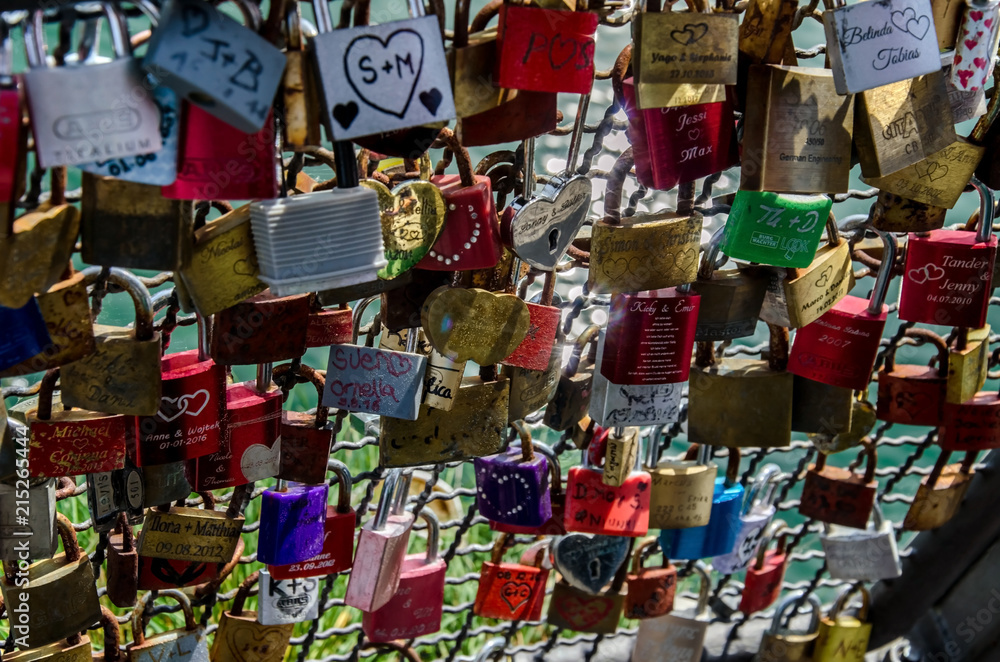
530,390
681,493
35,252
240,638
620,455
766,31
893,213
784,644
967,364
302,108
844,638
821,408
940,493
471,60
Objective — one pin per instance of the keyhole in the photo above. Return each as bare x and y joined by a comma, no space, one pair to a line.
595,568
553,240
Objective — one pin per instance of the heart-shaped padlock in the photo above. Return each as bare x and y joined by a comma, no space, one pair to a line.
412,216
588,561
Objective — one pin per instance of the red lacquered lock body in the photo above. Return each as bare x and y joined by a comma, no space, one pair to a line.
840,496
535,350
510,592
545,50
162,574
913,394
593,507
251,447
13,139
650,590
527,115
338,549
327,327
973,425
219,162
673,146
947,279
416,607
471,237
189,423
840,347
763,585
650,336
262,329
76,442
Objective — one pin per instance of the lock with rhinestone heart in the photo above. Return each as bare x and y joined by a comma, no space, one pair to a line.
513,487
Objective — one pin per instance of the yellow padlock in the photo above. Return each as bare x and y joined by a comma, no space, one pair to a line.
844,638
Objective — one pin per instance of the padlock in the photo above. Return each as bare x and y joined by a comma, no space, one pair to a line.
381,547
122,376
594,507
621,450
474,324
676,637
132,225
840,348
218,161
305,438
650,591
382,104
417,605
730,300
329,326
38,537
972,425
571,401
671,47
292,522
470,62
299,90
14,137
189,534
190,422
821,408
840,496
261,329
844,638
67,442
112,492
470,238
571,608
765,38
527,115
545,50
123,565
222,269
337,553
940,493
187,644
511,591
26,337
513,487
537,350
755,516
868,555
975,56
797,135
947,18
530,390
913,394
863,419
442,379
555,524
803,295
211,60
763,581
34,251
241,638
49,583
902,123
651,252
163,483
967,362
94,129
796,225
374,381
872,46
782,644
894,213
74,648
718,537
948,274
681,490
287,601
740,402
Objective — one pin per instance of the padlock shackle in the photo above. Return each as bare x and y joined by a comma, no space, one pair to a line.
539,547
263,382
755,494
576,137
460,33
123,528
872,459
112,635
389,497
304,374
243,592
832,231
294,39
982,127
925,335
238,501
704,590
462,159
527,448
528,180
968,461
46,387
710,256
613,190
138,625
141,298
34,40
987,207
71,547
503,541
584,339
6,55
843,598
555,470
884,276
433,534
344,480
794,598
637,555
491,650
733,467
773,530
251,13
359,313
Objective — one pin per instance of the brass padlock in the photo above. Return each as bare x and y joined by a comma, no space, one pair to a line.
49,583
730,300
967,364
35,252
302,108
681,492
940,493
571,401
766,33
621,455
821,408
530,390
844,638
122,376
862,419
782,644
240,638
471,60
894,213
192,534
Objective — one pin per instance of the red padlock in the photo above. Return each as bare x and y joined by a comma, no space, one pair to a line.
416,607
913,394
251,447
305,438
338,535
13,145
594,507
554,526
764,577
650,590
545,50
220,162
973,425
650,336
262,329
840,496
471,235
535,351
949,273
841,346
329,326
73,441
511,591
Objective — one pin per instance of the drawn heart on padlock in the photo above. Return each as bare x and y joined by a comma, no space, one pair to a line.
246,267
172,408
691,33
345,113
256,643
412,219
976,15
620,267
824,277
515,594
685,259
474,325
400,58
908,21
543,228
260,462
588,561
584,612
933,171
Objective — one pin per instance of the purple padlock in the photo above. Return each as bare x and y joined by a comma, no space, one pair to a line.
292,523
513,487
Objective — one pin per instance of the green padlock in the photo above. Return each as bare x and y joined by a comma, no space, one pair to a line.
777,230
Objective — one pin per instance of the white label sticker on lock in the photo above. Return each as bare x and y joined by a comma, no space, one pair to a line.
283,601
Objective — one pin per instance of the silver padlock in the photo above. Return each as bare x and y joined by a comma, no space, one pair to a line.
283,601
872,44
214,62
675,637
621,405
111,492
28,521
869,555
110,115
379,78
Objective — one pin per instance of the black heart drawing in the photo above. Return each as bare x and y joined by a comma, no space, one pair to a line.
691,33
431,99
384,72
567,47
345,113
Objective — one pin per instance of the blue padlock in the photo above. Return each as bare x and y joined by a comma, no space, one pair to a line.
22,334
292,523
719,535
